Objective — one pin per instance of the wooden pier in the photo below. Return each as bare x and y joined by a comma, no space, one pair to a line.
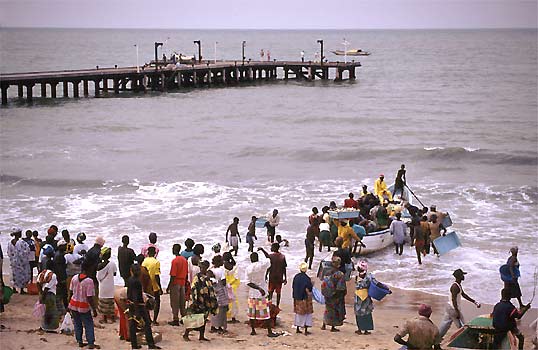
105,81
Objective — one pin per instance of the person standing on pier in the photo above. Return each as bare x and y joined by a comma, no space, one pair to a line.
262,54
302,55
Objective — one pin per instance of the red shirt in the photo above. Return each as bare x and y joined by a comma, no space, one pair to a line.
351,203
179,270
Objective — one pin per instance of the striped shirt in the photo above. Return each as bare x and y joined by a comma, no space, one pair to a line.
82,291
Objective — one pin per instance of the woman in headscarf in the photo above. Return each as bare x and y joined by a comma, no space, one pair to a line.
46,284
106,270
18,252
334,290
204,299
302,299
363,302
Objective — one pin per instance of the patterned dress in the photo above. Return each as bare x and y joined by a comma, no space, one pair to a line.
334,290
204,299
20,266
364,307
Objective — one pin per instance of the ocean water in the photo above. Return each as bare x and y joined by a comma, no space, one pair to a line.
458,107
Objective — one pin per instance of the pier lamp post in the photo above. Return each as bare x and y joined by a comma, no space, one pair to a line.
156,56
243,50
320,42
199,43
216,42
137,65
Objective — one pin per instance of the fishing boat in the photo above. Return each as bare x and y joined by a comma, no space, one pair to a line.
478,334
352,52
377,240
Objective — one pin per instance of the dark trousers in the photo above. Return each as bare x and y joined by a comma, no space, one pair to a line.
157,307
81,321
270,232
140,312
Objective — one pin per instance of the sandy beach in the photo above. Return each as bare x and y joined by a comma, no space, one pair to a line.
22,330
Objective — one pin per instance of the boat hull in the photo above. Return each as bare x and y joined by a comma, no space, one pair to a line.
376,241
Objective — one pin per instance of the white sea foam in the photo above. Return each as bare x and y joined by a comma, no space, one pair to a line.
203,210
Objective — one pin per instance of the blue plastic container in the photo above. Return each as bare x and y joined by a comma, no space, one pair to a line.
444,244
317,296
447,221
376,292
504,270
260,223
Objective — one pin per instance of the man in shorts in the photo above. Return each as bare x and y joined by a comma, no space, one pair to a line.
276,272
234,235
258,305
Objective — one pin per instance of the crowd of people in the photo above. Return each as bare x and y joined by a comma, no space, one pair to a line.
76,279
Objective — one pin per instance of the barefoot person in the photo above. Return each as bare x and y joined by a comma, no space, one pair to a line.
18,252
302,299
137,310
334,290
276,272
513,285
204,299
154,268
235,239
176,286
453,311
504,316
258,306
106,271
364,306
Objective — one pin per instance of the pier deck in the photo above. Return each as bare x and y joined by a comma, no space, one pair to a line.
167,77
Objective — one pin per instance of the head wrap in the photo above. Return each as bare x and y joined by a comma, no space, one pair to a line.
303,267
216,248
81,237
424,310
336,261
100,240
363,265
104,250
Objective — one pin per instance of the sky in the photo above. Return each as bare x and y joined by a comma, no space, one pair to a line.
270,14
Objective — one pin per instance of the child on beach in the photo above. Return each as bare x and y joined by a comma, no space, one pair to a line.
235,239
251,234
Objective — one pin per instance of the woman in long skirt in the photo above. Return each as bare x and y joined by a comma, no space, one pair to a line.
18,251
334,290
364,305
302,299
46,283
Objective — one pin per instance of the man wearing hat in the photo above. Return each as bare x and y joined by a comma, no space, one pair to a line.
453,311
423,333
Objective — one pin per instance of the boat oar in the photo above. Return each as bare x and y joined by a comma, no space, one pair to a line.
535,283
414,195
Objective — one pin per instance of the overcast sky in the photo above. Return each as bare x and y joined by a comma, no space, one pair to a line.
269,14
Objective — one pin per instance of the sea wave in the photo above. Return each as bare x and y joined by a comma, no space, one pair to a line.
435,153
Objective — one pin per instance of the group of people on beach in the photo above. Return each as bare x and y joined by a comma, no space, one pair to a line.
76,280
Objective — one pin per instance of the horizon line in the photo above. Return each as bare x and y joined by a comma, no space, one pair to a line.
269,29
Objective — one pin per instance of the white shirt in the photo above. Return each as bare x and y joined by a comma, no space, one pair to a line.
255,273
219,273
193,270
106,280
51,285
79,247
273,221
324,226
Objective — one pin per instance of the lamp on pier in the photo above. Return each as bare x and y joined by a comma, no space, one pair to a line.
320,42
243,50
199,43
156,56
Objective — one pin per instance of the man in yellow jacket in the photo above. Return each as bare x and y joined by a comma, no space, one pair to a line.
347,233
380,188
